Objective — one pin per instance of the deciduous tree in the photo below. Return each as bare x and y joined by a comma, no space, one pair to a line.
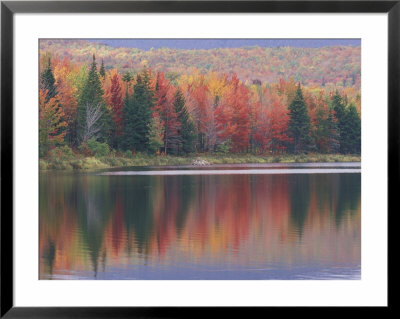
277,138
165,106
51,123
233,115
93,125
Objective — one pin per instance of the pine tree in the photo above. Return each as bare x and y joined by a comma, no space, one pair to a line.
322,126
137,112
186,131
334,135
92,90
102,69
127,78
156,134
128,118
48,82
299,123
339,107
351,131
92,94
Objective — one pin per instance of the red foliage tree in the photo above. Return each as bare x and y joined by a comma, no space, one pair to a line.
232,116
277,136
165,107
200,107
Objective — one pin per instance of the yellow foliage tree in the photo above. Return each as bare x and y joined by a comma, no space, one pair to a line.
51,123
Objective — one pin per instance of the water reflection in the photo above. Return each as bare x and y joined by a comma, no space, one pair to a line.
291,226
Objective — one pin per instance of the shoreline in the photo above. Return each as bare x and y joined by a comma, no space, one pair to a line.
198,161
266,165
234,171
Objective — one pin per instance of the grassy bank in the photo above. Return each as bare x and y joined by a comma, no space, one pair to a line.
92,163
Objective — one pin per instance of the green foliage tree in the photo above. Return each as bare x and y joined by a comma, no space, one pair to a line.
186,131
137,113
344,123
48,82
102,69
156,134
92,94
324,128
299,123
351,131
78,81
127,78
334,136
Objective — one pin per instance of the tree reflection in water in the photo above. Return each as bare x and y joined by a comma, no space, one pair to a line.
187,227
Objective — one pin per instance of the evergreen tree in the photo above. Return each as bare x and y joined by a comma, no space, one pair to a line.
351,131
156,134
299,123
339,107
127,78
334,136
186,131
92,91
128,118
48,82
321,129
92,94
102,69
324,128
137,112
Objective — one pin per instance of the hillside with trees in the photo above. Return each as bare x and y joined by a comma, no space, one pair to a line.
100,101
338,66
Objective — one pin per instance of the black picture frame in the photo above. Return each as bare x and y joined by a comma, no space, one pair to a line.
9,8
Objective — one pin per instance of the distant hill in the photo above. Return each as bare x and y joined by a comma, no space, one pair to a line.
205,44
338,65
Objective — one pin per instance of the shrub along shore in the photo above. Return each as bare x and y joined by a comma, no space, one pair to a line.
80,162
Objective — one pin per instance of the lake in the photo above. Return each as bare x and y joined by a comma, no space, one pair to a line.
300,221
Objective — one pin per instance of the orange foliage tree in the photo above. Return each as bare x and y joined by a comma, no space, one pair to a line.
51,123
232,116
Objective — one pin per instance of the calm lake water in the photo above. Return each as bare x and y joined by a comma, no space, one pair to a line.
242,222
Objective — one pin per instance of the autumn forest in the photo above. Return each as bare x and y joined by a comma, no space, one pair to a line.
199,159
95,100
